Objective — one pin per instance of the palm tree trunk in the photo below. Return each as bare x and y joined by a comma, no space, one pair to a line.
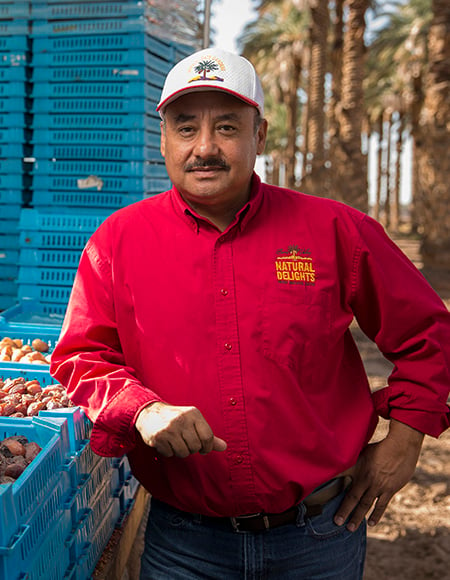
292,119
396,218
377,208
387,169
434,144
316,97
350,164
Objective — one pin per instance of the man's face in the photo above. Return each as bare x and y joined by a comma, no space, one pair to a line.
210,144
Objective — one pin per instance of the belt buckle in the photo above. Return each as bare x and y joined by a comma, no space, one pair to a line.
235,523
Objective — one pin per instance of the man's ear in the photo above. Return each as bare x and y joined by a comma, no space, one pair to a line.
163,138
261,137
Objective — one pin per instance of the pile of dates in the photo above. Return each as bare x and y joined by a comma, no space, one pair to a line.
13,350
16,453
22,398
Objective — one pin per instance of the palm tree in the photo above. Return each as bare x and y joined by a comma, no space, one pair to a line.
206,66
349,163
316,93
274,42
433,144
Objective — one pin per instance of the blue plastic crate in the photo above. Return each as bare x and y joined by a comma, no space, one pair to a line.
79,426
52,294
9,242
121,41
14,43
8,287
21,501
93,512
7,255
130,137
8,271
83,199
85,565
9,211
14,73
53,558
28,320
97,57
108,153
14,105
14,89
96,74
14,134
48,28
85,221
14,180
90,470
108,184
101,169
15,27
12,59
69,11
14,150
46,276
10,196
49,560
6,301
76,122
54,241
16,10
114,90
11,166
9,226
55,258
93,105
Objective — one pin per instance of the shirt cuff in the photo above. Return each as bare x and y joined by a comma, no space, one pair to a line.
113,433
388,405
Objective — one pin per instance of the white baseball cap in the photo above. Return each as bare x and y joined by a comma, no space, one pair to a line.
213,69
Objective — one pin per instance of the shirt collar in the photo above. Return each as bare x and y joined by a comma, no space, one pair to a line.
194,220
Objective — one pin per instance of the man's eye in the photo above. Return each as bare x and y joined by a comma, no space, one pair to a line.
186,130
227,128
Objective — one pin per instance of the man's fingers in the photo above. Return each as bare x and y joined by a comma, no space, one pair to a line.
351,500
379,509
219,444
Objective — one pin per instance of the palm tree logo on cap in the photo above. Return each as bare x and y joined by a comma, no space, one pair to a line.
203,68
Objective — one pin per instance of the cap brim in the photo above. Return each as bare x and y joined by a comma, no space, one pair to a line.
202,89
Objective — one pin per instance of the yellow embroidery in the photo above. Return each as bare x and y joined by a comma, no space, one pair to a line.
295,267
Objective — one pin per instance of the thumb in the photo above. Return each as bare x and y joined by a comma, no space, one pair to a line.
219,444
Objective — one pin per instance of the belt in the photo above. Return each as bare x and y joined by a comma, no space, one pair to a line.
259,522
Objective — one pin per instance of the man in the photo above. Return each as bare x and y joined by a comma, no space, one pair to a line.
207,336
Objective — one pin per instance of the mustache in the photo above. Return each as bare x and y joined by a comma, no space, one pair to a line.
209,162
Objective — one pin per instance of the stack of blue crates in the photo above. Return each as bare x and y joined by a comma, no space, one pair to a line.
14,133
97,76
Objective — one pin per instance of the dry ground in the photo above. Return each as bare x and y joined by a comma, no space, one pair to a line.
412,541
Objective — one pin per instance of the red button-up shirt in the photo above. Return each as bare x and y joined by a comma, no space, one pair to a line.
252,327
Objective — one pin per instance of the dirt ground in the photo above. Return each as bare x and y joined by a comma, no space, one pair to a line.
412,541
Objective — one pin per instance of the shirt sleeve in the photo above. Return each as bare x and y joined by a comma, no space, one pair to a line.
88,360
397,308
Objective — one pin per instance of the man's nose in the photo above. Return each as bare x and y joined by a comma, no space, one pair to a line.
206,144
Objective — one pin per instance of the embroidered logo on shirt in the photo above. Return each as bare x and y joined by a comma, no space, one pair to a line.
209,64
295,266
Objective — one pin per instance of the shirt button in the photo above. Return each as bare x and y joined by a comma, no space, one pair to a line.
224,291
238,459
228,346
232,401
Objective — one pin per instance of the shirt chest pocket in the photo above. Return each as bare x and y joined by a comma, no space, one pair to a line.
296,325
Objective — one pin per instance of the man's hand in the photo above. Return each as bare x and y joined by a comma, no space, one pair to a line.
178,431
382,469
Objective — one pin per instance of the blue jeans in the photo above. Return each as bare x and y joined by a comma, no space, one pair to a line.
179,547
